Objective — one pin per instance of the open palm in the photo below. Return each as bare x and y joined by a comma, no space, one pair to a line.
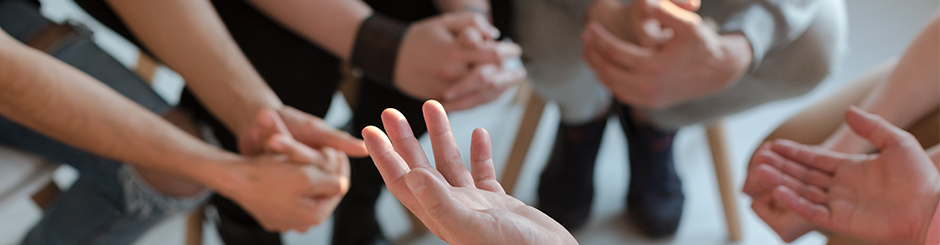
886,198
457,206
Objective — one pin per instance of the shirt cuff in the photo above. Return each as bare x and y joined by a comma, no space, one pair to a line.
757,24
933,231
376,47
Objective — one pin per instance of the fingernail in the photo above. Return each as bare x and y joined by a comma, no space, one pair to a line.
415,182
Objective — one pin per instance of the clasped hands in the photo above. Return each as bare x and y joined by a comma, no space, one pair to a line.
659,53
455,58
887,198
296,172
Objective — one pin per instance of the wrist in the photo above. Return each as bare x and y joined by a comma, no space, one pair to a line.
736,54
221,172
376,47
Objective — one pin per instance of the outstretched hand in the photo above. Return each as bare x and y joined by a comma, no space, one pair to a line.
458,206
887,198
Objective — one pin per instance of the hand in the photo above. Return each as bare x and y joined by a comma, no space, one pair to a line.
886,198
485,82
432,58
788,225
693,63
632,22
300,126
458,206
294,190
285,196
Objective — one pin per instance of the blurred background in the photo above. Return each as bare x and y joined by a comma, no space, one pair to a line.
878,30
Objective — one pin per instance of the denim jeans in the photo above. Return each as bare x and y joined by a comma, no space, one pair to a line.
109,203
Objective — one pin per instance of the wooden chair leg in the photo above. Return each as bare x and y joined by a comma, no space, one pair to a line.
44,197
194,226
520,146
719,150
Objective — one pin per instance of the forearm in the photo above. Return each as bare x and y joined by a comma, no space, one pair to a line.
65,104
190,38
477,6
332,24
909,94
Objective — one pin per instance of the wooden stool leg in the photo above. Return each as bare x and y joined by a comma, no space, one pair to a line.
719,150
194,226
43,198
520,146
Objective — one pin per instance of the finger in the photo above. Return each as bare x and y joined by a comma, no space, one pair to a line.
403,139
456,22
493,53
295,151
774,178
622,53
446,155
344,142
485,78
680,20
812,212
481,161
332,160
470,38
323,184
270,124
624,85
796,170
487,93
469,83
877,130
817,158
690,5
436,200
390,165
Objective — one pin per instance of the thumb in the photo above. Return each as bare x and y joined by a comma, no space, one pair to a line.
690,5
674,17
267,125
877,130
436,199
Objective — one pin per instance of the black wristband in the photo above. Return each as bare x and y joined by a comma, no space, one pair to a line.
376,48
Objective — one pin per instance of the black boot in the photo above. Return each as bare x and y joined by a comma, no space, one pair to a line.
354,221
655,199
566,187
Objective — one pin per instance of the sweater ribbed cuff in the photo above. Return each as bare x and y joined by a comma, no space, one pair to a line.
376,47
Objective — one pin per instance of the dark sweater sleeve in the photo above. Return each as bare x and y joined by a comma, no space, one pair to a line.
376,47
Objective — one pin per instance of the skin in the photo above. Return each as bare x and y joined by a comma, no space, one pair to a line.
907,95
886,198
57,100
452,57
686,60
458,206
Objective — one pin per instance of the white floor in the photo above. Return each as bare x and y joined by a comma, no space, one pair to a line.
879,30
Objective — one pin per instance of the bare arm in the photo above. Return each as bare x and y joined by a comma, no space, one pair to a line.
190,38
330,23
57,100
910,93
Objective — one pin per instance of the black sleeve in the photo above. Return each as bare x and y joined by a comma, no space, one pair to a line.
376,48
